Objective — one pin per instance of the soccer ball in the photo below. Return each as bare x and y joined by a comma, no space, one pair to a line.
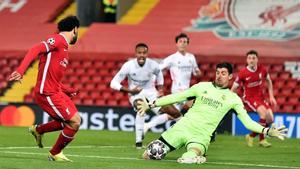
156,150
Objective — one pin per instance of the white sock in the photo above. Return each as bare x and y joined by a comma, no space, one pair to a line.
157,120
139,128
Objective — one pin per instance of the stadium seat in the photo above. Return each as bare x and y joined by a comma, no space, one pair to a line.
277,68
100,102
88,101
281,99
284,75
291,83
293,99
278,83
286,91
112,102
288,108
124,103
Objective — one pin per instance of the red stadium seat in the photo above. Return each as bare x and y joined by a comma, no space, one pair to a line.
87,64
204,67
277,68
291,83
293,99
100,102
273,75
124,103
77,101
297,108
88,101
285,75
297,91
288,108
281,99
112,103
286,91
278,83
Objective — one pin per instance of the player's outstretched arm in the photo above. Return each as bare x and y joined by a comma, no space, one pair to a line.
31,55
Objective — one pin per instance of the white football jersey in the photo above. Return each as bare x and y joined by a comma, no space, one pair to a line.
141,77
181,69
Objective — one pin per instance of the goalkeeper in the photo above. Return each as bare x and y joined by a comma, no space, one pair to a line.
212,101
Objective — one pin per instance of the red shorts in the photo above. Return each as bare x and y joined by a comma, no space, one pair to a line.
252,103
59,106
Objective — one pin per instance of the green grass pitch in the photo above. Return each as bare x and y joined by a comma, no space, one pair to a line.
108,149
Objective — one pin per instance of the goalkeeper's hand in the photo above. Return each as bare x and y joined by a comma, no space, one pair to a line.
143,106
279,132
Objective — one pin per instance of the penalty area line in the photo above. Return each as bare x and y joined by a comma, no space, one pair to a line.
135,159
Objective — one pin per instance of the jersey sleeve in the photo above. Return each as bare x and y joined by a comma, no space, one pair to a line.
119,77
177,97
166,63
239,79
244,117
51,43
265,72
31,55
195,65
159,75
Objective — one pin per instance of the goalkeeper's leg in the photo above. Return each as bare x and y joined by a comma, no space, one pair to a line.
194,154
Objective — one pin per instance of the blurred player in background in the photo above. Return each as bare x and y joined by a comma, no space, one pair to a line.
50,94
182,65
193,131
140,73
252,78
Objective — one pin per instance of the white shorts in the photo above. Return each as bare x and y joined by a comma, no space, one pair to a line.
150,94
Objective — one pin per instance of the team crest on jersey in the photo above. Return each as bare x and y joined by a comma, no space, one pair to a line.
51,41
275,20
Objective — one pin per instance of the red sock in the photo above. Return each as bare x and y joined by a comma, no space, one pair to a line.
253,134
263,123
50,126
65,137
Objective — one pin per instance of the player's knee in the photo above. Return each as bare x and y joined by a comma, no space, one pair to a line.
156,150
75,121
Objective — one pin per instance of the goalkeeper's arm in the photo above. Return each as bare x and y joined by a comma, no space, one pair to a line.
280,132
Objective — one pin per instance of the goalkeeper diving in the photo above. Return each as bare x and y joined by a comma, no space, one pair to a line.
213,100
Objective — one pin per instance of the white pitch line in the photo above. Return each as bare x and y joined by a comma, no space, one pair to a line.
69,147
130,158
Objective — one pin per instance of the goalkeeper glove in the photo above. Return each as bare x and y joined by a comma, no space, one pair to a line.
279,132
143,106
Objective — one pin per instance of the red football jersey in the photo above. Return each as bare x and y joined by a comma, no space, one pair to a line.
252,81
53,56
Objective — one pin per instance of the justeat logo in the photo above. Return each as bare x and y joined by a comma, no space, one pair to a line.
275,20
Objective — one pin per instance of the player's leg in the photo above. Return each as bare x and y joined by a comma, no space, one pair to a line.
38,130
164,114
156,120
262,112
253,106
68,113
139,127
194,154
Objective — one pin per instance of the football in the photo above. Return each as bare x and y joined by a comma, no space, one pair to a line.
156,150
